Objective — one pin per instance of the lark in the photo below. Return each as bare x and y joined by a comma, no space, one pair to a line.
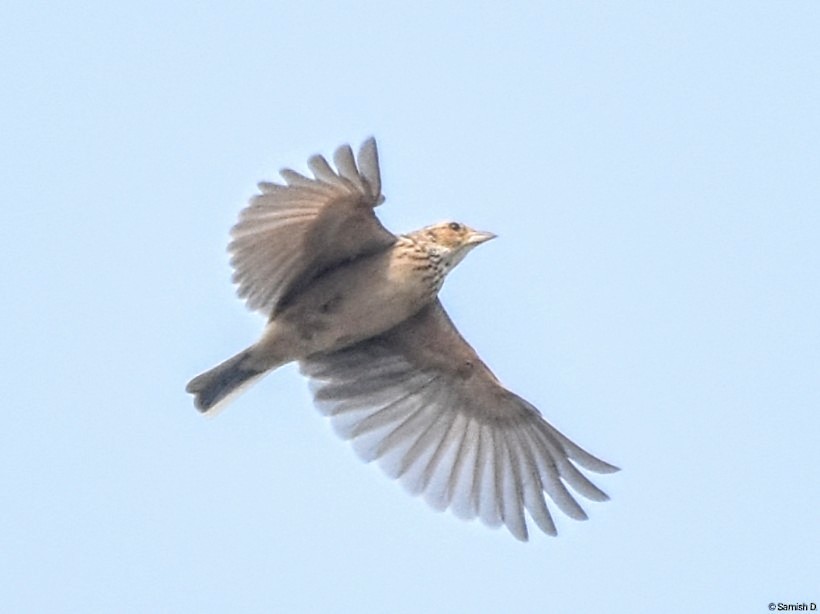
357,307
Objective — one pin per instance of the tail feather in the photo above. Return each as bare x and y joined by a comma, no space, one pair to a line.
214,388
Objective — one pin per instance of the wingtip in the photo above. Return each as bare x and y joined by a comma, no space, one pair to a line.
368,162
521,535
609,469
368,152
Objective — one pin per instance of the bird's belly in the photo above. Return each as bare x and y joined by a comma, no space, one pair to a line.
353,303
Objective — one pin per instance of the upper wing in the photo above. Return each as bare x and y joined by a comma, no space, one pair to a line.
419,399
291,233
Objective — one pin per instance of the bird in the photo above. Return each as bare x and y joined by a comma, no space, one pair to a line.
357,307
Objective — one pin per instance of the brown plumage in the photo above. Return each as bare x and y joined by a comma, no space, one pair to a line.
357,307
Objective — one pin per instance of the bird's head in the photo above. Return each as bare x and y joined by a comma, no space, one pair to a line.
451,240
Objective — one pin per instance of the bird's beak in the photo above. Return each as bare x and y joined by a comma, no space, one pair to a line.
477,237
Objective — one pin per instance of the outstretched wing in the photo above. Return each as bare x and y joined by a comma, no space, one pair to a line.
420,400
293,232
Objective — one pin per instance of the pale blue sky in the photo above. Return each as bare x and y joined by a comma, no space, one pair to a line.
653,172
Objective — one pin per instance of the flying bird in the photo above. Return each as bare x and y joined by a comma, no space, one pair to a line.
357,306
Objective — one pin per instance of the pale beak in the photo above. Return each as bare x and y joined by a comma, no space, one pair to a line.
477,237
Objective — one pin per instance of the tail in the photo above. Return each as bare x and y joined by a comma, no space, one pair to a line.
213,389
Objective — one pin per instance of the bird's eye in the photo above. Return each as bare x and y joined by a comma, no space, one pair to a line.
455,226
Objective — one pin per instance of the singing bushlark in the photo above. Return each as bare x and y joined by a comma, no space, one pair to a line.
357,307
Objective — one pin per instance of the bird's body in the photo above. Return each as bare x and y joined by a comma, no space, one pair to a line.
344,305
358,308
355,301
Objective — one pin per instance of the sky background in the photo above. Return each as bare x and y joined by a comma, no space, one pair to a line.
653,173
